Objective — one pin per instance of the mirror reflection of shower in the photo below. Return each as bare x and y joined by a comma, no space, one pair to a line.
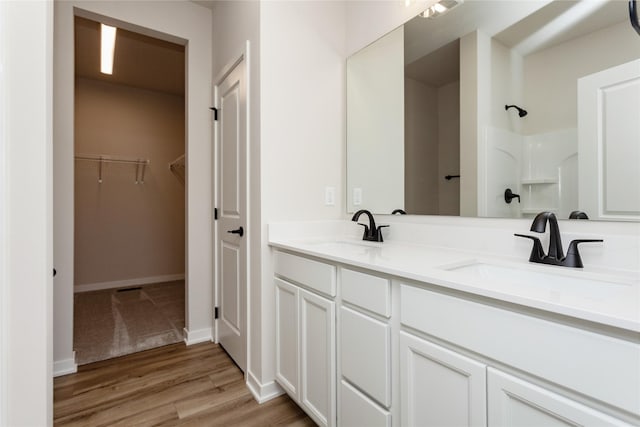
521,111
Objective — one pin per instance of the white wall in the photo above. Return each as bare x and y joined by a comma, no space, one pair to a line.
302,126
26,390
176,21
474,70
126,232
506,88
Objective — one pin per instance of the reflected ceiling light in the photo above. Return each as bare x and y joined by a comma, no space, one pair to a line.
107,48
440,8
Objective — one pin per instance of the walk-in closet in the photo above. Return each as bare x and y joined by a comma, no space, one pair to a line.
129,193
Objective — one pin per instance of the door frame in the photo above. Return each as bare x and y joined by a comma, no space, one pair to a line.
242,54
192,31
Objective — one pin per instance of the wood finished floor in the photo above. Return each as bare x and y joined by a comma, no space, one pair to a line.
173,385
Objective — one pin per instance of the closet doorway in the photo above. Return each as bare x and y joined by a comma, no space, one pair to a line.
129,231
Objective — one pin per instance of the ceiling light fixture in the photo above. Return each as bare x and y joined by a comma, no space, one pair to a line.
440,8
108,44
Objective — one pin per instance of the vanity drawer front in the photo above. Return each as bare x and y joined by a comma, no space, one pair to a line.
372,293
602,367
365,349
356,409
315,275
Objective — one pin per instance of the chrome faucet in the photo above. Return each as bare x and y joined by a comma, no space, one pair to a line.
555,255
371,232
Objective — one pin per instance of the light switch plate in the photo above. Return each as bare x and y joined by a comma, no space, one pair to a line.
329,196
357,196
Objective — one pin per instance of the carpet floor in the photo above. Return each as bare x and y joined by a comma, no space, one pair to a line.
116,322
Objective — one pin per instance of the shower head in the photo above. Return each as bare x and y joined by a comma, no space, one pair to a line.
521,111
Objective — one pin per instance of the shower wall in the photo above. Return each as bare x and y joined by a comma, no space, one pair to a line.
126,232
541,168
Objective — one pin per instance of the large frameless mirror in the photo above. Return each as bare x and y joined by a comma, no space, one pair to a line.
499,109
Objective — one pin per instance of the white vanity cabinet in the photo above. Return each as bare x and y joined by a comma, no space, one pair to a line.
440,387
365,350
358,347
306,334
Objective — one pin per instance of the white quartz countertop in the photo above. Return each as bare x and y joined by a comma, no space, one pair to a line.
612,300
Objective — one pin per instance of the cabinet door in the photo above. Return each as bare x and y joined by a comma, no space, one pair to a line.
287,362
515,402
365,353
439,387
317,357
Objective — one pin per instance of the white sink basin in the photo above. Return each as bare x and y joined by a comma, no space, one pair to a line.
400,257
568,288
516,276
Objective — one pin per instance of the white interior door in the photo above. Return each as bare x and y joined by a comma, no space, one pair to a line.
608,148
231,184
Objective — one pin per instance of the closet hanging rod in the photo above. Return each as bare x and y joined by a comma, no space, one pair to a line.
111,159
141,164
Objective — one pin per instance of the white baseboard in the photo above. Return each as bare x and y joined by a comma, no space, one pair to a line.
86,287
197,336
263,392
65,367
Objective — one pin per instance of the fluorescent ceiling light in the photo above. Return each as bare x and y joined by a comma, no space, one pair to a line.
440,8
108,44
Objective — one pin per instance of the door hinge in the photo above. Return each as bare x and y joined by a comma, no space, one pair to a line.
215,312
215,214
215,113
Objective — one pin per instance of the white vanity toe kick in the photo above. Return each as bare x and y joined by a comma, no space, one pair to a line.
577,293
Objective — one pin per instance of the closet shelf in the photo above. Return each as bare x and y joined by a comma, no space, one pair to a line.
141,164
178,163
179,168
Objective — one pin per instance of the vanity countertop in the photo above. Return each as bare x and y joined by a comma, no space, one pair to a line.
611,300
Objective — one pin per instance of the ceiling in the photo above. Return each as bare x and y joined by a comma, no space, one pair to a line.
432,58
139,61
439,68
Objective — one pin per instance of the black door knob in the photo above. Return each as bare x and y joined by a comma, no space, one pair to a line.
239,231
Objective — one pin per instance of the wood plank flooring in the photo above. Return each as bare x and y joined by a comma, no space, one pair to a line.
173,385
